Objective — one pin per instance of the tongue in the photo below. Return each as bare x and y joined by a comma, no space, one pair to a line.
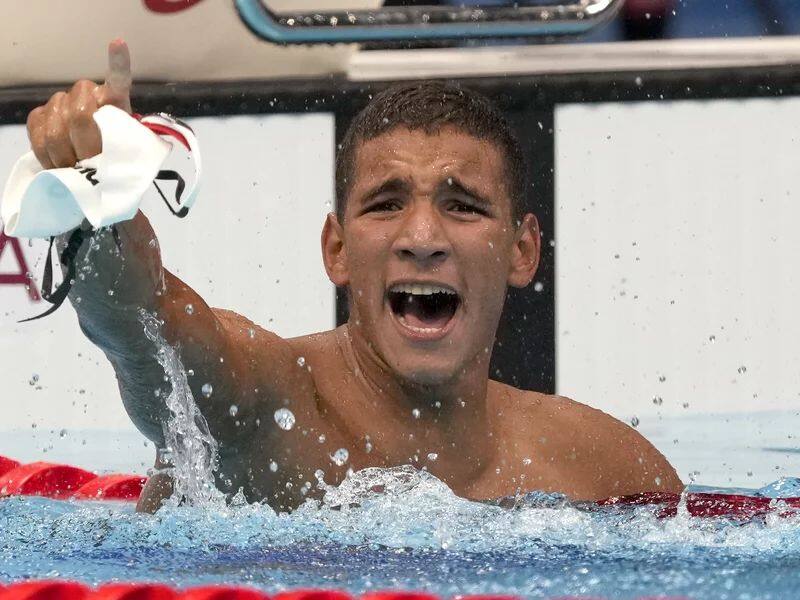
416,314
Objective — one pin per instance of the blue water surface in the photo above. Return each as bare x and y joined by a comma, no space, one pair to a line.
414,534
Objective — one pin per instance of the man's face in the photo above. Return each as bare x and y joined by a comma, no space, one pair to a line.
428,247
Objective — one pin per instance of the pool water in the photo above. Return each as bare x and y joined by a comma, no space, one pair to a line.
413,534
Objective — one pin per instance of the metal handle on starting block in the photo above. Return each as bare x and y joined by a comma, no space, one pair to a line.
420,23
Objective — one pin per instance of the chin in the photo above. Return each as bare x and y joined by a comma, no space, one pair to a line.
426,374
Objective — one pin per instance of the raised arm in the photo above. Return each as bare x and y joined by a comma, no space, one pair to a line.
120,274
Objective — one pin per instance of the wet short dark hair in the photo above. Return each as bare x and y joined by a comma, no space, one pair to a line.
429,106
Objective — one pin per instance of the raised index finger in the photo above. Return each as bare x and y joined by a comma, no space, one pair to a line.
118,77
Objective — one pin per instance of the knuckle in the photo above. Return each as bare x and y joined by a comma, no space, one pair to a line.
81,114
54,132
59,97
54,100
35,117
82,86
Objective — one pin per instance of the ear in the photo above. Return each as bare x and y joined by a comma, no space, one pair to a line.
334,254
525,252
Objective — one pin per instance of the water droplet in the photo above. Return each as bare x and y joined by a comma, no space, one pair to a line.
321,438
662,378
34,379
110,292
635,422
234,410
538,286
638,81
251,333
712,338
189,309
415,413
658,400
432,456
368,447
190,372
284,418
273,466
685,405
207,390
526,461
742,369
301,361
658,480
340,456
62,433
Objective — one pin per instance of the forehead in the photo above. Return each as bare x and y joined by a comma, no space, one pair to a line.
425,158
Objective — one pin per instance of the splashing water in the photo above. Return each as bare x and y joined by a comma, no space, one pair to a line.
190,448
284,418
403,528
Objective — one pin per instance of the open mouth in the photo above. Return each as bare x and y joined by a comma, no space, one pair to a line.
423,308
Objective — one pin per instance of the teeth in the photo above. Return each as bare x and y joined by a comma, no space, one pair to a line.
420,289
420,329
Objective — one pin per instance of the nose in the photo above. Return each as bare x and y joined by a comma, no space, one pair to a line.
422,238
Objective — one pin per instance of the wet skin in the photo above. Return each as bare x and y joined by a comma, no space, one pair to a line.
405,381
422,209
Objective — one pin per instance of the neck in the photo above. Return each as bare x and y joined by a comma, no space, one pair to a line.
408,422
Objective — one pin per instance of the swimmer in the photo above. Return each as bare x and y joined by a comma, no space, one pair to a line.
427,236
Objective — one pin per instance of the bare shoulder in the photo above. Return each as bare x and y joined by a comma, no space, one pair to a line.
237,325
612,456
270,360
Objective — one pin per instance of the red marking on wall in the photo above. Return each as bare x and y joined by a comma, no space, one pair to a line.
22,278
169,6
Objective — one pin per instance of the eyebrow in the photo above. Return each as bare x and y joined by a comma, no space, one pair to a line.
452,184
391,185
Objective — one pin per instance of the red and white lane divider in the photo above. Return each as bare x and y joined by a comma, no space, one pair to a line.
63,482
70,590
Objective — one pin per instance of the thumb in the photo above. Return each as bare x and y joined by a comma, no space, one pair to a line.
117,88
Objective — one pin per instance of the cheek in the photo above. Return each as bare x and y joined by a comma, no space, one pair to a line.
489,250
366,256
488,259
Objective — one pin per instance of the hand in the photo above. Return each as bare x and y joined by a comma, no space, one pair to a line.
63,132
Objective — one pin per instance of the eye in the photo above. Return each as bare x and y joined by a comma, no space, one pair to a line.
462,207
390,205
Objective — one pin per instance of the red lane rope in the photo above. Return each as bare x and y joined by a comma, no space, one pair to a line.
44,479
112,487
64,481
710,505
135,591
6,464
61,482
45,590
311,594
70,590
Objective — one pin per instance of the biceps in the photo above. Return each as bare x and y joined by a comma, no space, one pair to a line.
203,351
